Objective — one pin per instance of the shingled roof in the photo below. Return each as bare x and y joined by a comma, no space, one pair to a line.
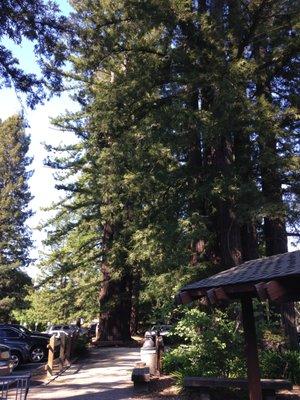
262,269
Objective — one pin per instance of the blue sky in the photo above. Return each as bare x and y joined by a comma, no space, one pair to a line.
42,182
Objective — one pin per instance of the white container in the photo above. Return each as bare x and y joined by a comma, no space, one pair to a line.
149,357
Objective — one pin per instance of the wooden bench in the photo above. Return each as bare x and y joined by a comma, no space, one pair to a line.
205,385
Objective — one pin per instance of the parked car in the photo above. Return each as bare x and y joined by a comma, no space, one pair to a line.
19,349
23,346
61,328
6,363
164,331
79,330
30,333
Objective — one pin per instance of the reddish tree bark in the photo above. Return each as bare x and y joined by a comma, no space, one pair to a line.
114,299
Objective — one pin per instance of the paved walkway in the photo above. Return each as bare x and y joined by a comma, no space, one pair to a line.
105,375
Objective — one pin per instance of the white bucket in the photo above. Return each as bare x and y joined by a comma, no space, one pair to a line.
149,357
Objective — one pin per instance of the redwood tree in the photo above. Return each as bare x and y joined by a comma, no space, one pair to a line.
188,137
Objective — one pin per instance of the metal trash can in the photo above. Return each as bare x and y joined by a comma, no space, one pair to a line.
149,356
149,353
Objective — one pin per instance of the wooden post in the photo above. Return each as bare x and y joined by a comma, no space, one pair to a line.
255,389
62,351
68,350
50,362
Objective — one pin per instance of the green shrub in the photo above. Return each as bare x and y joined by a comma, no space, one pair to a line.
213,347
285,365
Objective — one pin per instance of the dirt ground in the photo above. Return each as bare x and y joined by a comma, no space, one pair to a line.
106,375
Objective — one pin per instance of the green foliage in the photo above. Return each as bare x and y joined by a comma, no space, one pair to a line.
15,239
39,22
213,346
281,364
14,286
186,137
158,291
68,294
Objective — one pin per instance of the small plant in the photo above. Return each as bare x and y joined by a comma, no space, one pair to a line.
285,365
213,347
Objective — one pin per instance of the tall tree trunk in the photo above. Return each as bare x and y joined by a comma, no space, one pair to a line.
114,299
244,169
227,226
275,235
274,225
115,308
194,166
220,158
249,241
134,316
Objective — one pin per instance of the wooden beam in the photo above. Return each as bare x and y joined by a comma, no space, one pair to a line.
221,295
241,289
217,295
183,298
212,296
261,289
255,388
197,293
276,292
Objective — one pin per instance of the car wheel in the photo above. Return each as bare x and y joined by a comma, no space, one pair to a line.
16,358
37,354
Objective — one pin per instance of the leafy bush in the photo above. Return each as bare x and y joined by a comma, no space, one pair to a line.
285,365
213,346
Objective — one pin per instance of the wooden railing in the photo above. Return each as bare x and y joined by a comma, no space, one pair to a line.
59,354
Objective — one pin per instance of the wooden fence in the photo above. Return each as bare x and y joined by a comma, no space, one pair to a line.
59,354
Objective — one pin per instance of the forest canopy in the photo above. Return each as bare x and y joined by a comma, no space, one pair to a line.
187,154
187,160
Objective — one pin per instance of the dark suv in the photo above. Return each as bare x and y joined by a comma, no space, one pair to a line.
24,347
6,363
23,329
